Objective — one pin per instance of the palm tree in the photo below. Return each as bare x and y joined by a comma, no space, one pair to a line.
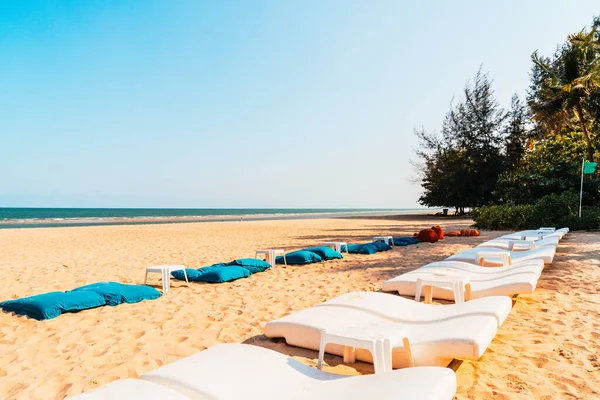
565,83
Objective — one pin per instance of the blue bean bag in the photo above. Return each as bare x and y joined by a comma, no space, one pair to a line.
326,253
405,241
222,273
51,305
299,257
192,274
381,246
115,293
366,248
217,273
253,265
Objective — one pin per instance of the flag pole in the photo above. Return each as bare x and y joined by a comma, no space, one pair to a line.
581,190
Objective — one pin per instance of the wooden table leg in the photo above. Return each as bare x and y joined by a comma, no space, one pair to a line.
468,294
428,294
408,352
349,354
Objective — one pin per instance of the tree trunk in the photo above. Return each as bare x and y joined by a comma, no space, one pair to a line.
590,149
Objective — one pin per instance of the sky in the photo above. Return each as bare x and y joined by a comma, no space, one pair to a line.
246,104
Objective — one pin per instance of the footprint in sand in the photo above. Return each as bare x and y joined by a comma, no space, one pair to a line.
564,352
138,335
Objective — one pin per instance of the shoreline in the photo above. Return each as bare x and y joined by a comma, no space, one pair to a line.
53,223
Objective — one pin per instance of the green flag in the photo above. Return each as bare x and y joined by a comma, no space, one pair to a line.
589,167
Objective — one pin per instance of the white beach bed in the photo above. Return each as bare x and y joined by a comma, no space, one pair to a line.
521,280
520,245
545,253
437,333
239,371
532,233
535,265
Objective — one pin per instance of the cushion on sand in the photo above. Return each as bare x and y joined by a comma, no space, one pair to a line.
452,233
116,293
222,273
440,232
51,305
326,253
381,246
365,248
427,235
253,265
217,273
405,241
192,274
300,257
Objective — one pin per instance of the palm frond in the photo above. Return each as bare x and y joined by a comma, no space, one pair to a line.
589,81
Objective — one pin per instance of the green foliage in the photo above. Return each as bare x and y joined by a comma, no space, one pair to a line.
555,209
553,166
526,160
446,179
503,216
564,85
461,168
516,133
552,210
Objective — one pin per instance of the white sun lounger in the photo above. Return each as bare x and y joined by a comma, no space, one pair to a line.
237,371
545,253
534,233
131,389
240,371
437,334
535,265
408,312
506,243
483,284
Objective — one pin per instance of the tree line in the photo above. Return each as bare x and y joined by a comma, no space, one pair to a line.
485,154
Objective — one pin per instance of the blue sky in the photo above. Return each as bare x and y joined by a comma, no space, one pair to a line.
245,103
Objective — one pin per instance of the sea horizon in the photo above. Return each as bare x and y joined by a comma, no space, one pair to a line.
50,217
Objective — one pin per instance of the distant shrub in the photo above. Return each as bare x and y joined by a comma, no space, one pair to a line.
503,216
559,210
590,219
556,209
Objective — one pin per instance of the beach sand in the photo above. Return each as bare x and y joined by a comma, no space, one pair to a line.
549,347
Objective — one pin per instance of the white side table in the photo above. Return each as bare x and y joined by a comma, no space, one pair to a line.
337,246
270,255
460,286
493,257
377,337
165,271
385,239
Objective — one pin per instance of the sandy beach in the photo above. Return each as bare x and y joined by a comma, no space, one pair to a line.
549,347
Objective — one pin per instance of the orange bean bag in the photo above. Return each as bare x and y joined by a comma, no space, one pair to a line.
440,232
427,235
452,233
469,232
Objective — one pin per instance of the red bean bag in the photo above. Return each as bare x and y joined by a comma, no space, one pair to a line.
452,233
469,232
427,235
440,232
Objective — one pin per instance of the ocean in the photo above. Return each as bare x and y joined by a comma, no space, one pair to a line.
59,217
